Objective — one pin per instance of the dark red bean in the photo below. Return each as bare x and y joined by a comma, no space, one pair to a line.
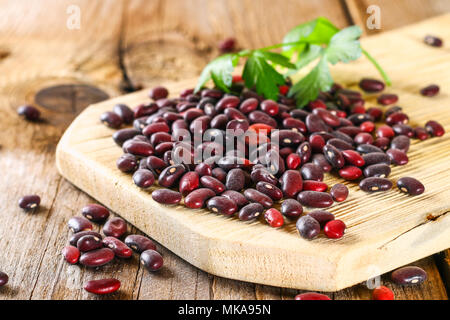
311,296
227,102
304,151
293,161
311,171
270,190
139,243
77,224
397,157
410,186
409,275
274,218
350,130
420,133
317,142
382,293
248,105
403,129
227,45
143,178
350,172
263,175
236,197
166,196
197,198
29,202
156,165
262,117
308,227
89,243
76,236
358,118
433,41
333,156
295,125
157,93
367,126
320,160
250,211
382,143
397,118
254,195
434,128
189,182
363,138
374,184
103,286
29,112
287,138
315,199
212,93
385,131
376,157
327,117
71,254
155,127
376,113
291,208
334,229
315,124
219,174
368,148
111,119
235,180
392,110
311,185
339,192
138,148
170,175
151,260
213,184
123,135
124,112
145,109
322,216
341,144
371,85
230,162
222,205
353,157
380,170
119,248
97,258
387,98
291,183
270,107
430,91
115,227
127,163
3,279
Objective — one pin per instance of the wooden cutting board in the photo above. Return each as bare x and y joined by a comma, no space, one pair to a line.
385,230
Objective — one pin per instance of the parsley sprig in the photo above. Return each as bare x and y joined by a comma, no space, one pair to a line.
265,70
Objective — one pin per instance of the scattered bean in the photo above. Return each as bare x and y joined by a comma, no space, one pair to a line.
410,186
95,212
115,227
103,286
308,227
29,202
77,224
139,243
97,258
151,260
409,275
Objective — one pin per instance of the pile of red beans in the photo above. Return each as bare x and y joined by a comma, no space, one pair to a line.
239,154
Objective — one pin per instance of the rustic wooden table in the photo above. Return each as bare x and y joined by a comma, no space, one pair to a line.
48,60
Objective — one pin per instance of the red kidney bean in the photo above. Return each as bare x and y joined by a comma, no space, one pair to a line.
311,185
263,175
295,125
97,258
191,114
248,105
433,41
222,205
334,229
291,208
189,182
397,118
71,254
403,129
76,236
3,279
320,160
385,131
340,144
103,286
287,138
322,216
382,143
235,180
250,211
315,124
166,196
353,157
197,198
212,93
204,169
270,107
115,227
311,296
380,170
274,218
376,157
317,142
219,121
304,151
227,102
124,112
270,190
145,109
119,248
311,171
236,197
123,135
291,183
420,133
157,93
392,110
29,202
155,127
327,117
163,147
254,195
315,199
143,178
139,243
333,156
127,163
409,275
410,186
317,104
350,130
308,227
374,184
376,113
397,157
350,172
213,184
89,243
111,119
138,148
227,45
261,117
230,162
430,91
151,260
371,85
29,112
387,98
363,138
358,118
367,126
170,175
293,161
368,148
382,293
156,165
77,224
339,192
160,137
434,128
219,174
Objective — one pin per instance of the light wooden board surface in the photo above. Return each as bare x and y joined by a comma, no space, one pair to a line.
142,42
384,231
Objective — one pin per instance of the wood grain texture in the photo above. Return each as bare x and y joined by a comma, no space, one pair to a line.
38,52
384,231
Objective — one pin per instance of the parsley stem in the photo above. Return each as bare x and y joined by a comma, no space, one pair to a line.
280,45
379,68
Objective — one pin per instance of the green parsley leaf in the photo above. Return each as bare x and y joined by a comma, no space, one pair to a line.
261,75
220,71
276,58
318,79
344,46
